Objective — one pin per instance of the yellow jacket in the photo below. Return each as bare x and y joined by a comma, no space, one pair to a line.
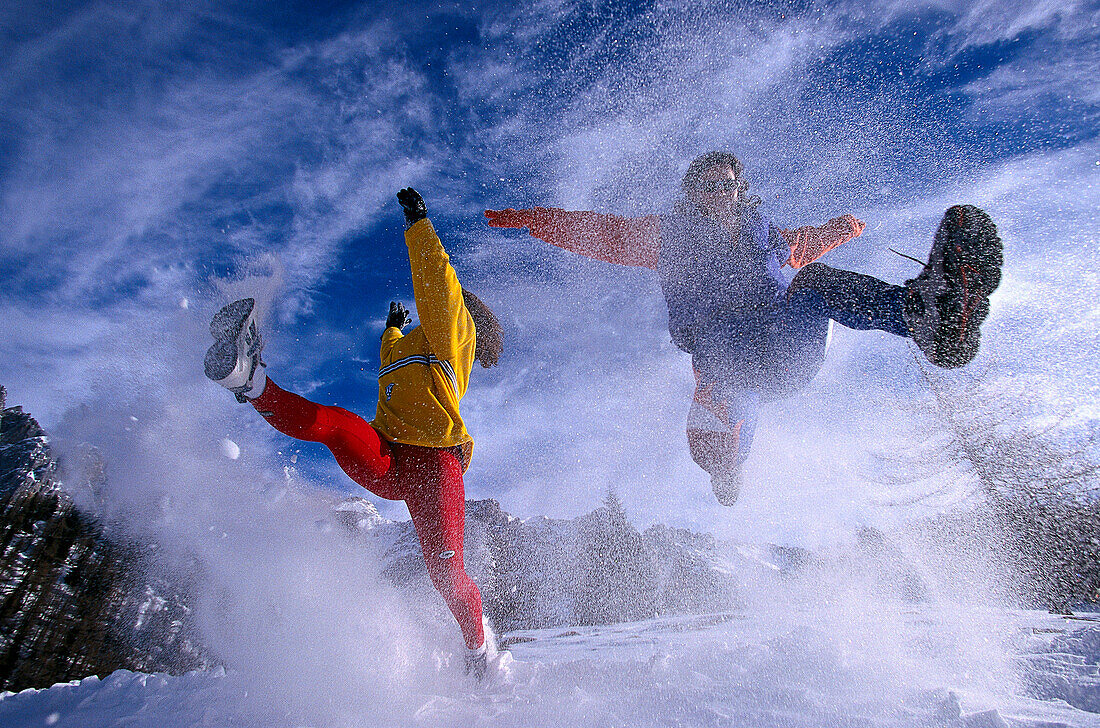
424,374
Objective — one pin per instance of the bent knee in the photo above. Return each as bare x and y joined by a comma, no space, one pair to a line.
808,278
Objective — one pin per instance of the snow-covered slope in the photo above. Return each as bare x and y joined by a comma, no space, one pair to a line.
788,669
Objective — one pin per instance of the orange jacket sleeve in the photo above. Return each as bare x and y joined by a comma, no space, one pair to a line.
623,240
808,243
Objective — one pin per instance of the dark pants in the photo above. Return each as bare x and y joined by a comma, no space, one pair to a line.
739,369
854,300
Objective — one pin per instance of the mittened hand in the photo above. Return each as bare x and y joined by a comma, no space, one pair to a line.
399,315
510,218
855,224
413,205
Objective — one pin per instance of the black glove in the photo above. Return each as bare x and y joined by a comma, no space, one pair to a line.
399,316
413,205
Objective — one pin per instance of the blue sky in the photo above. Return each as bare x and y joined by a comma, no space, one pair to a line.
156,160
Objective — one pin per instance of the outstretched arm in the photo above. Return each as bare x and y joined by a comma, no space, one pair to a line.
808,243
623,240
443,315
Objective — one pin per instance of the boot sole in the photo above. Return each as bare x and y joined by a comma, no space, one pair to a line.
226,327
972,256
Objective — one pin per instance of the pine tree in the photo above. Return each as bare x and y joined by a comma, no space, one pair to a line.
1031,482
69,594
616,573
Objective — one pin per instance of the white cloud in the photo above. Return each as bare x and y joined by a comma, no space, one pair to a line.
119,193
989,21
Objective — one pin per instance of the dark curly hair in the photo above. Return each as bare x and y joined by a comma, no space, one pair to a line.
719,159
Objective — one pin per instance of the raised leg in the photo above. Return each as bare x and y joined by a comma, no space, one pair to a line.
854,300
359,449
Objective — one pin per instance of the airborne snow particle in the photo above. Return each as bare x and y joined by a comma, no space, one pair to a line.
231,449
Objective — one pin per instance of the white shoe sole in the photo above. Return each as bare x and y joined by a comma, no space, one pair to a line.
233,361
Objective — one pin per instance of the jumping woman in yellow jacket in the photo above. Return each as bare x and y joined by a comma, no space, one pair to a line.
417,447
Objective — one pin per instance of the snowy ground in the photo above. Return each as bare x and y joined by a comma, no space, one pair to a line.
923,669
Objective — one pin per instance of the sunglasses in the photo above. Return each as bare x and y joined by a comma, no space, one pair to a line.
713,186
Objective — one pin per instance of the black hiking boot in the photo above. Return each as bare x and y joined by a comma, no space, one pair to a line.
946,304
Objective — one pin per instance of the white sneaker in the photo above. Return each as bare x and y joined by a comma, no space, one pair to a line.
946,304
234,359
487,663
476,662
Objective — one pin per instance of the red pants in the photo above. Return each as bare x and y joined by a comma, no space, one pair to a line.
428,479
